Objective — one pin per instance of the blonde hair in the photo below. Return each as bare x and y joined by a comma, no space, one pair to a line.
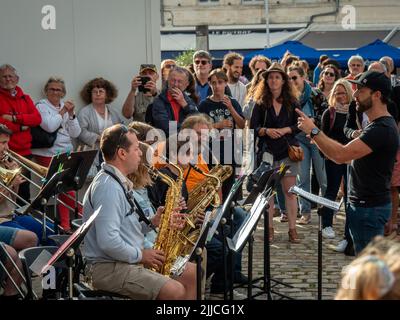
199,118
141,178
374,275
347,87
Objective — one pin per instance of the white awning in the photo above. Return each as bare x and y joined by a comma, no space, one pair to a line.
225,40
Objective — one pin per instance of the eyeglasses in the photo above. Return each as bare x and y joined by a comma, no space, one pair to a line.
169,66
55,90
294,78
356,65
339,93
98,91
203,62
329,74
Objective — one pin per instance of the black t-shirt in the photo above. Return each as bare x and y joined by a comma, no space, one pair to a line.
370,176
217,111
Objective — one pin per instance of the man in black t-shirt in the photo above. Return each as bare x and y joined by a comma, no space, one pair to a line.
372,157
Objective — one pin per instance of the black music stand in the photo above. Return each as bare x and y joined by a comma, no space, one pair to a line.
219,222
323,203
40,202
245,234
68,249
196,256
79,164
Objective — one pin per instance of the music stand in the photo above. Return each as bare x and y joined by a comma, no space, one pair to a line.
220,221
41,200
197,253
325,203
79,164
68,249
258,187
245,234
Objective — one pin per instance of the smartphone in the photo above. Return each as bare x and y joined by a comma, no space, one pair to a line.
144,80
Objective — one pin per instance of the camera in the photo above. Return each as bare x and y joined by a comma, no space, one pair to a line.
144,80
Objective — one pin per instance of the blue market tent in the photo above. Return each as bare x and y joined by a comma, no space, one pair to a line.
377,49
371,52
295,47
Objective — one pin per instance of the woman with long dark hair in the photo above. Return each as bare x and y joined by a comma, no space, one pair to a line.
275,123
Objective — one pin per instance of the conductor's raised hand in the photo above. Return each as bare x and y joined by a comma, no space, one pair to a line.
304,123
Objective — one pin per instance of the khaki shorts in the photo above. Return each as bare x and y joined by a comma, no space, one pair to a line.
131,280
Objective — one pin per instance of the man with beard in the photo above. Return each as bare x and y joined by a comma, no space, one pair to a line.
233,62
372,157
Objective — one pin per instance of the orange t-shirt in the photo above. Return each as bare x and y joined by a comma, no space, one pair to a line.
195,177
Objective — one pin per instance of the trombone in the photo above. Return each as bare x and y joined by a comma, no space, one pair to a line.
37,170
6,178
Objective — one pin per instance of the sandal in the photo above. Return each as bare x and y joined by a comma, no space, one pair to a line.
284,217
304,220
293,236
271,235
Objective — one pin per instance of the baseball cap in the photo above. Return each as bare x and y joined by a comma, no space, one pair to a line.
144,67
374,80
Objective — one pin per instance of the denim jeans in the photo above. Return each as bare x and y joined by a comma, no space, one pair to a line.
214,252
311,153
366,223
334,174
280,198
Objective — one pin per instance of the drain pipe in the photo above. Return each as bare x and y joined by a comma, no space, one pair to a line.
162,13
323,14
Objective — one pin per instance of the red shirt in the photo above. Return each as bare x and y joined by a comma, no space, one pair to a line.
26,114
175,106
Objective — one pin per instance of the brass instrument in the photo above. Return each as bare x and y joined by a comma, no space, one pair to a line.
38,169
166,235
8,176
34,168
219,171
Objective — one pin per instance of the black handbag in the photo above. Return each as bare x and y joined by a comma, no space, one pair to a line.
42,139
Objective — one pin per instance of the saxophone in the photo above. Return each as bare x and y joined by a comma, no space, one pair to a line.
166,235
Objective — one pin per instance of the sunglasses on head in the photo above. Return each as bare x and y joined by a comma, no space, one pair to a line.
330,74
203,62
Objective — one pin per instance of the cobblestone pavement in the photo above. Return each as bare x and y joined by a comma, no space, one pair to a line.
296,264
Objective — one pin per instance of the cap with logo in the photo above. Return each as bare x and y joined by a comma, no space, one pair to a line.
374,80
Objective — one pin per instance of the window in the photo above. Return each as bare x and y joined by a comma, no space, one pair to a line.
208,1
253,1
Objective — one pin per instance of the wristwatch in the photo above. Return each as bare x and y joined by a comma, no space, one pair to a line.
314,132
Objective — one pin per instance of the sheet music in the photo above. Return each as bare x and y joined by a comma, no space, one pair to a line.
239,240
335,206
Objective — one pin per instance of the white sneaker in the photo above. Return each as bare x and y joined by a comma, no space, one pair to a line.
341,246
328,233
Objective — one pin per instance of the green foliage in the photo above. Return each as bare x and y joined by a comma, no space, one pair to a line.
185,58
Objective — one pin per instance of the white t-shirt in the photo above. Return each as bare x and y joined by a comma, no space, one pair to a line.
239,92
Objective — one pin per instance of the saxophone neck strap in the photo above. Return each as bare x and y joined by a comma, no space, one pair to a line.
135,207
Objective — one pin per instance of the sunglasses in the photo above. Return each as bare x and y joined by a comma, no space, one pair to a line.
203,62
294,78
169,66
330,74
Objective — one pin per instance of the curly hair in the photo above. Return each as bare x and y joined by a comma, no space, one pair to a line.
111,89
258,58
289,95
